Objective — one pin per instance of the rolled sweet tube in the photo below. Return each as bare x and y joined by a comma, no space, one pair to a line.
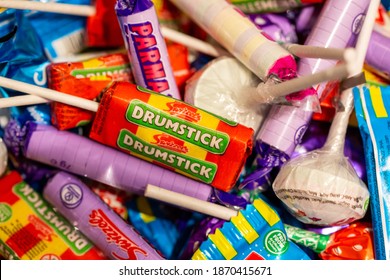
79,155
240,37
95,219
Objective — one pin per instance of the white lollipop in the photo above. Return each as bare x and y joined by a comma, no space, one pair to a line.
321,187
219,87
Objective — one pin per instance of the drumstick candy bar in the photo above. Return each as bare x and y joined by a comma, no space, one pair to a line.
109,232
172,134
146,47
31,229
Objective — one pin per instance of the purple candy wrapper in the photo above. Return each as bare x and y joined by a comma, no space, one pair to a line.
277,26
146,47
107,230
80,155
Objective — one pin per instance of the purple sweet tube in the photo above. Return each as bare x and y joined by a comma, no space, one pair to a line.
95,219
146,47
338,26
378,53
82,156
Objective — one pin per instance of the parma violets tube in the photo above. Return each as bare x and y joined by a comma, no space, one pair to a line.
146,47
106,229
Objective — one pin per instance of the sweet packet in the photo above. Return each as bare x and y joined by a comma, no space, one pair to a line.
372,106
30,229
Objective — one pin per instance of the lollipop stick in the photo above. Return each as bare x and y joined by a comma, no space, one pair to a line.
192,42
316,52
49,94
21,100
190,203
68,9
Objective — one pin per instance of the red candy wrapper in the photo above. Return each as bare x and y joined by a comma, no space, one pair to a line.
103,28
85,79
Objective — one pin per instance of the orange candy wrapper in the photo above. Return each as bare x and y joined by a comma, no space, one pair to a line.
85,79
172,134
31,230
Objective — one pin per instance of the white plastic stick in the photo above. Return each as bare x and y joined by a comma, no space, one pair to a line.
68,9
49,94
316,52
21,100
190,203
192,42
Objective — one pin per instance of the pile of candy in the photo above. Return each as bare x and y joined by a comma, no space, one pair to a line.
204,130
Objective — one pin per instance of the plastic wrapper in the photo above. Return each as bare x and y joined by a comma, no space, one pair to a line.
372,111
85,79
219,87
32,230
102,29
107,230
146,47
321,187
69,35
354,242
178,136
165,227
261,6
21,61
277,26
256,233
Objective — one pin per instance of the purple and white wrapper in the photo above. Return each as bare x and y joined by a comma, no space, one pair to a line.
95,219
82,156
146,47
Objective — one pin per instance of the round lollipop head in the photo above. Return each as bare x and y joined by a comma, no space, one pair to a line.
322,188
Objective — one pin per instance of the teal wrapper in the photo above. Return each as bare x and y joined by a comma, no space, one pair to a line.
372,106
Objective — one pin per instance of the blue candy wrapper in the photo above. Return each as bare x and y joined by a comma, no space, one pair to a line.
70,31
22,61
372,106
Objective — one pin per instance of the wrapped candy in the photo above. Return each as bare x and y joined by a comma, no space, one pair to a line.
354,242
32,230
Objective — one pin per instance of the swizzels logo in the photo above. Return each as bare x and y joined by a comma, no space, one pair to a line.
148,55
98,219
183,111
169,142
43,231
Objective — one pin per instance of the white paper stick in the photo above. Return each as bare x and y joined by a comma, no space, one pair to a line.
190,203
316,52
49,94
192,42
68,9
21,100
